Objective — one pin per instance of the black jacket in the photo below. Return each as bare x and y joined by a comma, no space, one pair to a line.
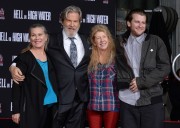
154,66
28,97
69,79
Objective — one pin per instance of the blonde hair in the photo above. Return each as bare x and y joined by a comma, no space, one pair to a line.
110,53
38,25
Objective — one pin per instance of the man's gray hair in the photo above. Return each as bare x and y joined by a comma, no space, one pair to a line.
69,9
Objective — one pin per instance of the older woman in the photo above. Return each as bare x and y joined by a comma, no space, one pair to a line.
34,98
103,106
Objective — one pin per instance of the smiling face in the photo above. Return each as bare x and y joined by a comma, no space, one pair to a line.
137,25
71,24
38,37
101,40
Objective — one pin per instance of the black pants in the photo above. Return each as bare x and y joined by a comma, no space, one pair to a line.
150,116
47,118
175,113
71,115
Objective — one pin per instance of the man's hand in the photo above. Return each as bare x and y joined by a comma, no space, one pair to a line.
16,74
16,118
133,85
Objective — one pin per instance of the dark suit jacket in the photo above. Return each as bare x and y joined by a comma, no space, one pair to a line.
28,97
69,78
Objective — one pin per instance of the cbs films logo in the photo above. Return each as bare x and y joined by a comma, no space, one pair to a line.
1,60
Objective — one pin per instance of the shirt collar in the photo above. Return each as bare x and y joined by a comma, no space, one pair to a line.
138,39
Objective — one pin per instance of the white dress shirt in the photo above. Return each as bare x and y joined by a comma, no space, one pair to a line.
79,46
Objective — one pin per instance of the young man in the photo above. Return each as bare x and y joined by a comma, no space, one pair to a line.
70,54
142,64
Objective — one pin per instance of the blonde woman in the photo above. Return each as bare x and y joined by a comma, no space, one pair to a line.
103,106
34,98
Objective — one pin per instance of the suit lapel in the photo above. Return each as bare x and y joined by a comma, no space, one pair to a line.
86,49
61,46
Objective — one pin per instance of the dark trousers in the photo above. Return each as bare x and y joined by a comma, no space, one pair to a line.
47,118
71,115
175,113
149,116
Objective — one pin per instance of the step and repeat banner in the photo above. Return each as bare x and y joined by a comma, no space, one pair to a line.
15,18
